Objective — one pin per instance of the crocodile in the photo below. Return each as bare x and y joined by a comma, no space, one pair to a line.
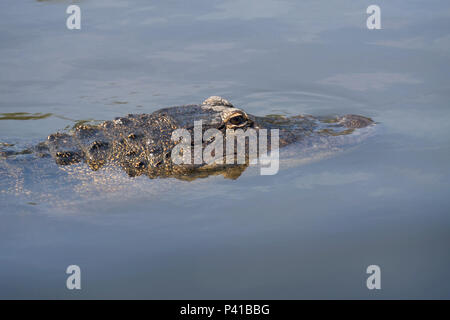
142,144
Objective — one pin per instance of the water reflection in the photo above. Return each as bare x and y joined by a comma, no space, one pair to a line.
24,116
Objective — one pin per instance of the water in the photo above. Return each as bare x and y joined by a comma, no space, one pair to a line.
308,232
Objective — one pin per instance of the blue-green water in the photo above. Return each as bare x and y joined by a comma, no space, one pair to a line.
308,232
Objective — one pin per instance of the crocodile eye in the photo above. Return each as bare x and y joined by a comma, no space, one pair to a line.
238,120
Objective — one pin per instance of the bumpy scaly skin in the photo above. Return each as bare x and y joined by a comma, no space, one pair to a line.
142,144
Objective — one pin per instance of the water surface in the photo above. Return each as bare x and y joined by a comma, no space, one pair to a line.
308,232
